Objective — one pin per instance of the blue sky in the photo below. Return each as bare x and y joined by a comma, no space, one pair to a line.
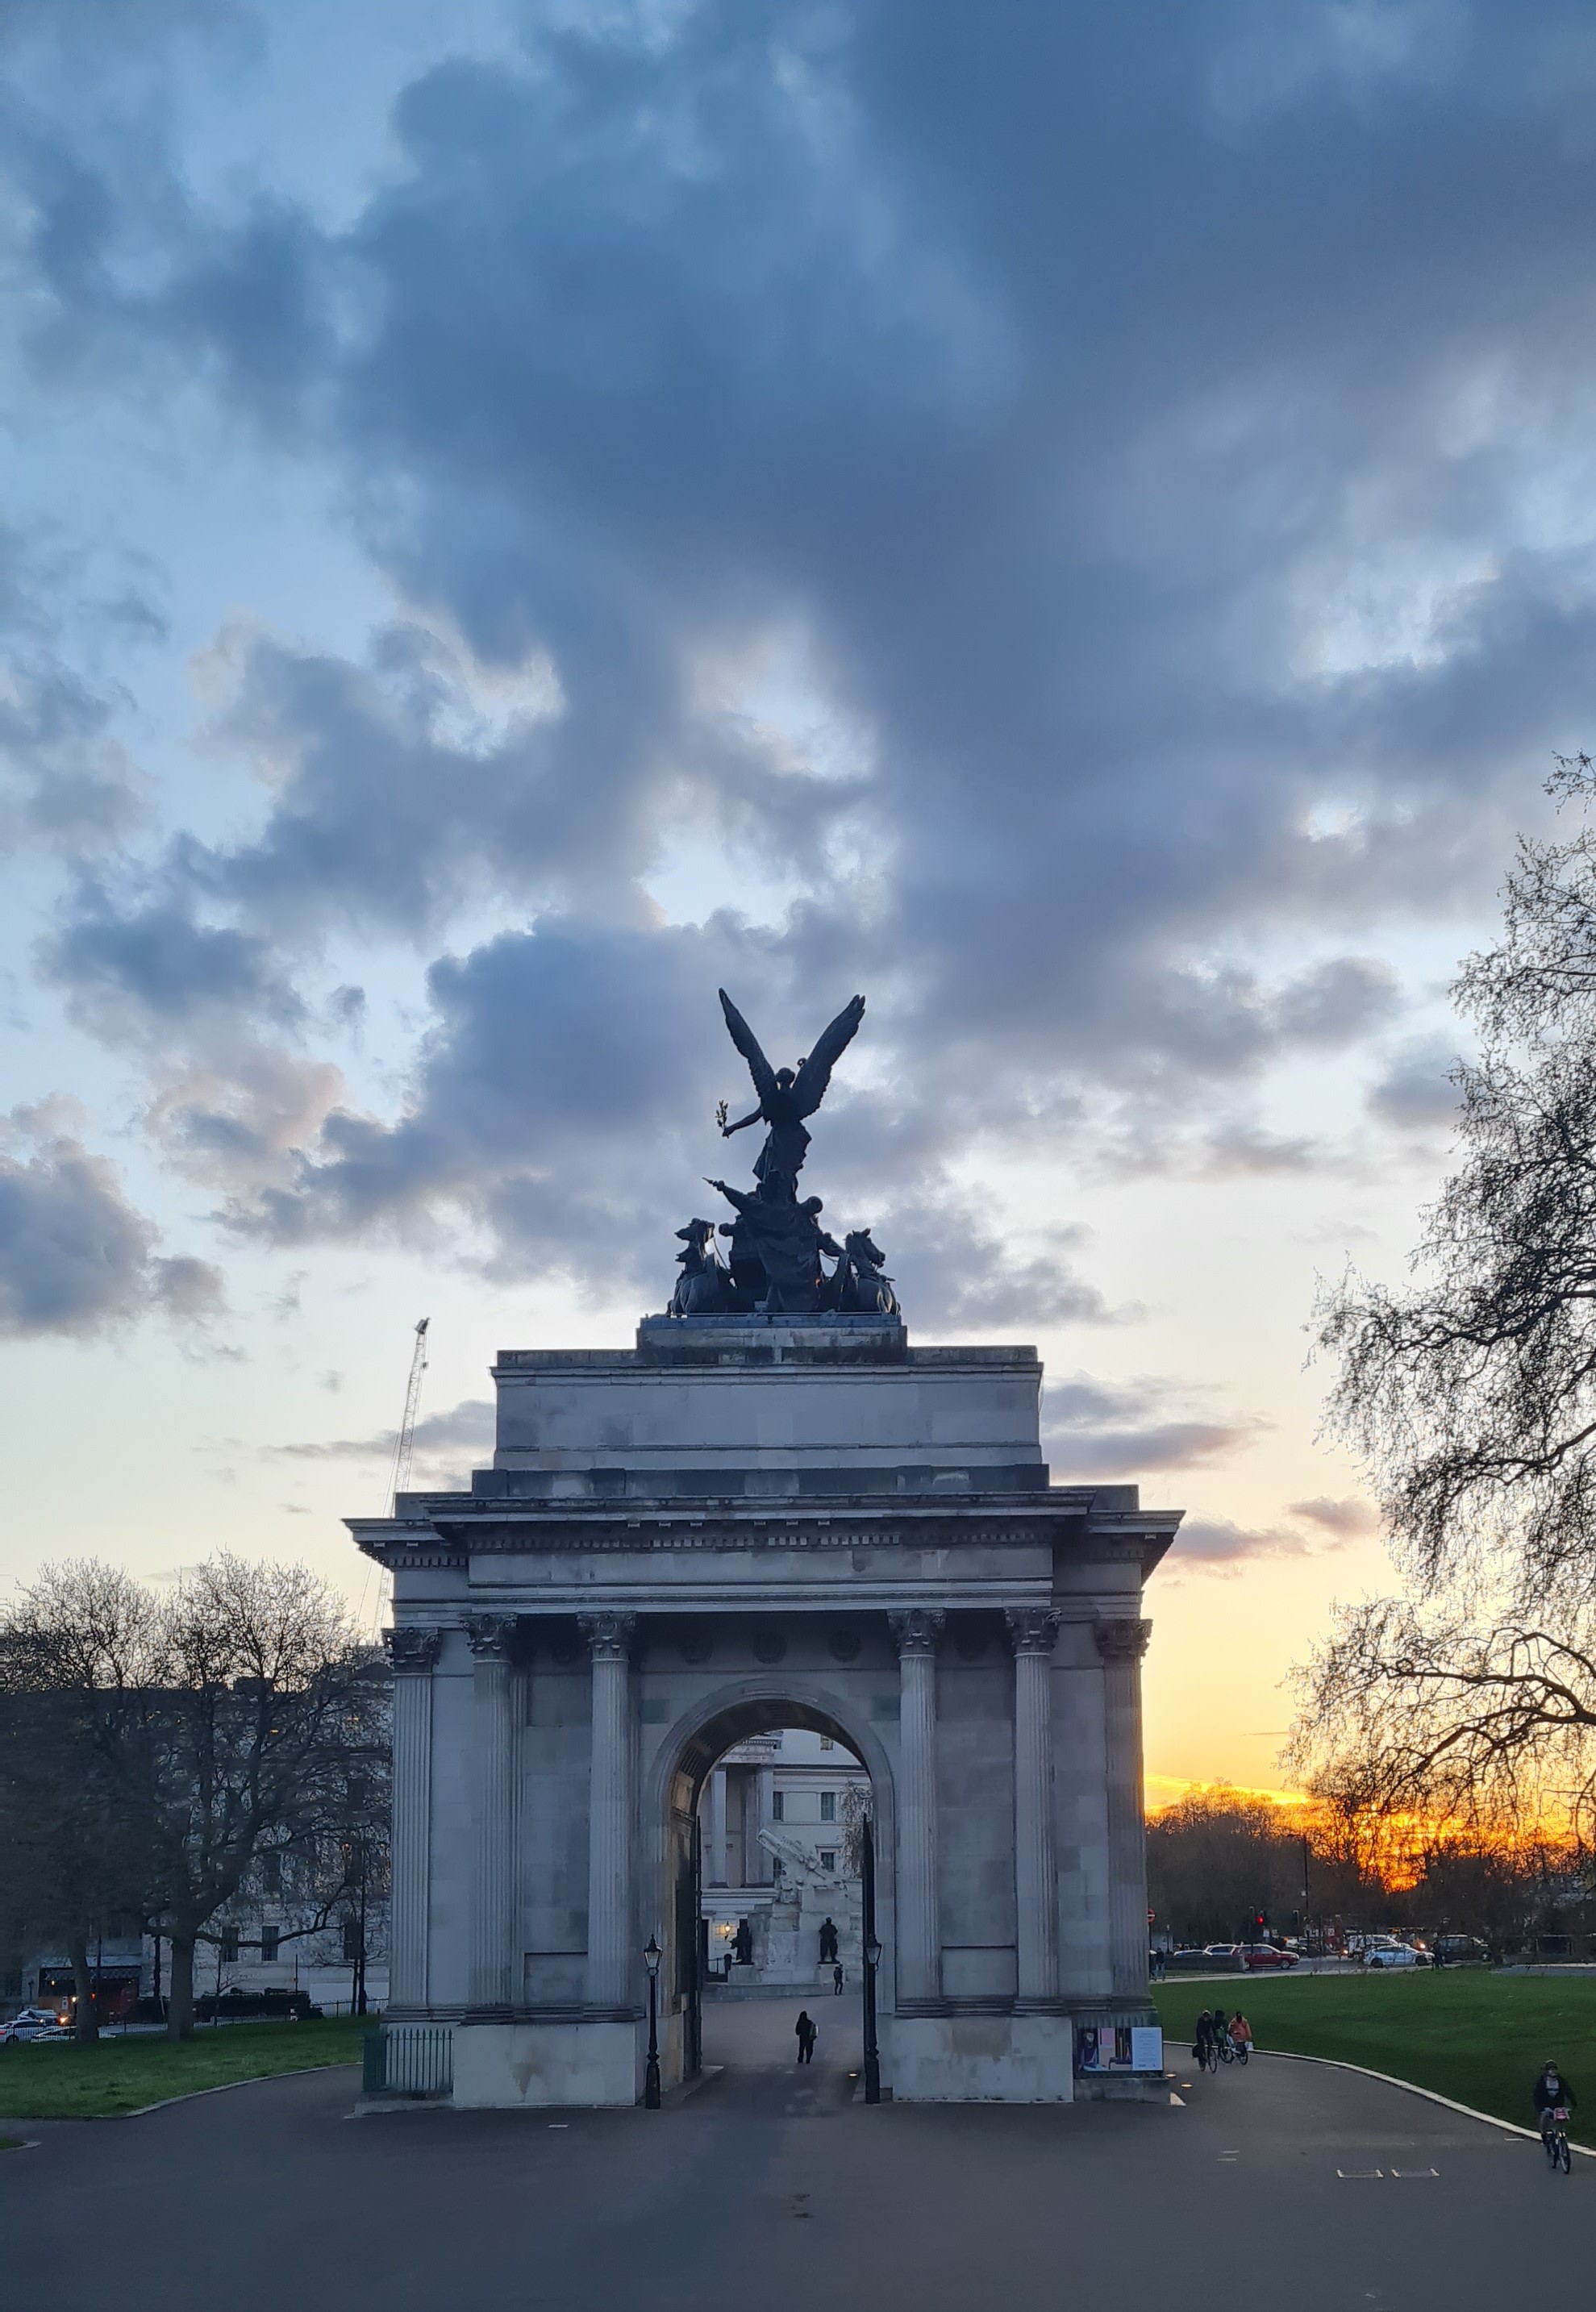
1073,520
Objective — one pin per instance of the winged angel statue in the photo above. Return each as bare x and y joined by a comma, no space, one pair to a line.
787,1095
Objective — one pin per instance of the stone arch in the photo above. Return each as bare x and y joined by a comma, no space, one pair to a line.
758,1705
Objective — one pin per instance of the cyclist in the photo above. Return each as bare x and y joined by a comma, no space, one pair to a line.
1221,2035
1241,2030
1552,2093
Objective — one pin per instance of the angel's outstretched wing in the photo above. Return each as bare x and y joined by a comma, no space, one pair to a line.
809,1088
747,1044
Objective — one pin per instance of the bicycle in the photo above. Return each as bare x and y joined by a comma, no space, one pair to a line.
1225,2050
1554,2135
1239,2052
1207,2056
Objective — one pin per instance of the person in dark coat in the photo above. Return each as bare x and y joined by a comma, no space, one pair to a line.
808,2033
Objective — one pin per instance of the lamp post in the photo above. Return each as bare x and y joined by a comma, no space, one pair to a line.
872,2060
652,1956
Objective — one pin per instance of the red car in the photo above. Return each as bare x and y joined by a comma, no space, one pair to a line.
1267,1954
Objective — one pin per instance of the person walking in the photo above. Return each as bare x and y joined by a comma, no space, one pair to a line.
808,2033
837,1980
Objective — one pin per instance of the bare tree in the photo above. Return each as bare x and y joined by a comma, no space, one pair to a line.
1470,1397
229,1714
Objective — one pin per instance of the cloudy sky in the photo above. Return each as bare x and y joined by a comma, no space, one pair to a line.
1075,519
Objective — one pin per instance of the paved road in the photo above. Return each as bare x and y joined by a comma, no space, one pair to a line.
773,2185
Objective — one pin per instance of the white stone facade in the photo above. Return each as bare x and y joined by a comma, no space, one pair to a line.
746,1524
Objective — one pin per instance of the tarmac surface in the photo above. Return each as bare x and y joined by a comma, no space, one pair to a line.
1285,2182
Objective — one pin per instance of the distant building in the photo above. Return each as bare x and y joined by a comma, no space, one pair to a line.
810,1796
259,1946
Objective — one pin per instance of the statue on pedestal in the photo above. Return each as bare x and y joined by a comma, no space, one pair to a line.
787,1095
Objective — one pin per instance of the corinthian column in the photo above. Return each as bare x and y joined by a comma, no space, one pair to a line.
919,1929
493,1897
414,1652
1033,1631
610,1815
1122,1644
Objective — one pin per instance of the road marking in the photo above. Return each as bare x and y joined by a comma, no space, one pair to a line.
1359,2174
556,2126
1415,2171
1175,2098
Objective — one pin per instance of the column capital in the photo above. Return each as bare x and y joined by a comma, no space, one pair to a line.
916,1629
1032,1629
1121,1639
411,1647
490,1636
608,1635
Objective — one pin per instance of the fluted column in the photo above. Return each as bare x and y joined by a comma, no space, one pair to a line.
919,1930
1033,1632
765,1820
493,1905
610,1814
717,1827
414,1654
1122,1644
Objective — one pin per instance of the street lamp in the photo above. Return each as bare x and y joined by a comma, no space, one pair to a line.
652,1956
872,2058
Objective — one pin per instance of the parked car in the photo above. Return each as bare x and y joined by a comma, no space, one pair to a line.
1189,1958
1268,1954
36,2023
1386,1954
1456,1949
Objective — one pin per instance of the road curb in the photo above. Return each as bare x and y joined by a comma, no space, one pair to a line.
226,2087
1408,2086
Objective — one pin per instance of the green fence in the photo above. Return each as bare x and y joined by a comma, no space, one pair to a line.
409,2059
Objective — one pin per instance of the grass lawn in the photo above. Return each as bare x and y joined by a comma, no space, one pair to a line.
1475,2037
121,2075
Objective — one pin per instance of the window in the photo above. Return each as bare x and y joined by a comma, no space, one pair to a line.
828,1857
828,1806
230,1945
271,1873
351,1941
778,1806
268,1944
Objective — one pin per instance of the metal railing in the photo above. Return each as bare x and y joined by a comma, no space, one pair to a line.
413,2058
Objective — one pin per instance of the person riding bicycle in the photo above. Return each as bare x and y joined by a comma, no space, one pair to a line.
1241,2030
1222,2032
1552,2093
1202,2038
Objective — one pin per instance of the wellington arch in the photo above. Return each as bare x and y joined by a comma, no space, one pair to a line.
762,1516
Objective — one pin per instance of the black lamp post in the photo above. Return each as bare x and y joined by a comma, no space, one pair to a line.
872,2058
652,1956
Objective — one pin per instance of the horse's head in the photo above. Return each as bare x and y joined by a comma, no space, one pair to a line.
859,1248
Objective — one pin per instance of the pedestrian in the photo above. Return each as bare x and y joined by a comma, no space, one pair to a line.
837,1980
808,2033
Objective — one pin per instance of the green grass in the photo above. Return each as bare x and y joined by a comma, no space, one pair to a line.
1475,2037
122,2075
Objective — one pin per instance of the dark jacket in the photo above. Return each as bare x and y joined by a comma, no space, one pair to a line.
1562,2095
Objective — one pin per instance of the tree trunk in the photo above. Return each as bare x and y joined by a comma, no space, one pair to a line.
82,1976
179,2003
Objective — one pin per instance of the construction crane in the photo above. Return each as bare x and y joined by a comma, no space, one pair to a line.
405,1444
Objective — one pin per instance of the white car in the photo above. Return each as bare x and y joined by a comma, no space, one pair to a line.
35,2023
1383,1955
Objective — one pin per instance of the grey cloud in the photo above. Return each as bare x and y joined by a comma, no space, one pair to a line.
1416,1092
1346,1519
152,960
75,1257
1220,1543
1093,1431
854,329
467,1427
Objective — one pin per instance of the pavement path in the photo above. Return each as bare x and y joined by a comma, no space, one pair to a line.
1283,2183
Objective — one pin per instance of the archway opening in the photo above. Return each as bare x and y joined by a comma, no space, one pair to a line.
772,1814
